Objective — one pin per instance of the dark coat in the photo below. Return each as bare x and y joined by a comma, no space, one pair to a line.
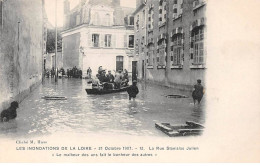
132,91
197,94
9,113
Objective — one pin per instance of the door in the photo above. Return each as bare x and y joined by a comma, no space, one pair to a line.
134,70
119,63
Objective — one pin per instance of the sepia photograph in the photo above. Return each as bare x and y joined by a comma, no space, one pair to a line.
129,81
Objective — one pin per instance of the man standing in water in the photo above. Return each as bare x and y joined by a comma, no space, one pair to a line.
133,90
198,92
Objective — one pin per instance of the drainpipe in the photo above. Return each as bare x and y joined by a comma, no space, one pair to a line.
56,71
167,43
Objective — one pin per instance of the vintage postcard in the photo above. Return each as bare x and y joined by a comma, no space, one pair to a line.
129,81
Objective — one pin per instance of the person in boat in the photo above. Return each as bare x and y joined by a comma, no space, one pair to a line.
100,70
133,90
125,79
9,113
118,79
110,77
198,92
89,72
102,76
110,80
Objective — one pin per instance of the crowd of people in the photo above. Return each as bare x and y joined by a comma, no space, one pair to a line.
74,72
71,73
112,81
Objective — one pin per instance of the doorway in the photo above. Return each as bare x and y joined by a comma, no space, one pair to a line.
119,63
134,70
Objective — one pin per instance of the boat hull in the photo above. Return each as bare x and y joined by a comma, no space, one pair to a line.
108,91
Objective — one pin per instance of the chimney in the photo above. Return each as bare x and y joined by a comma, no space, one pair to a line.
66,6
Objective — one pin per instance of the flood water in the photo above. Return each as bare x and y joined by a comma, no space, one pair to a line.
99,114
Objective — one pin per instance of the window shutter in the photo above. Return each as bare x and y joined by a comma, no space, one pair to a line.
102,40
125,41
113,41
90,40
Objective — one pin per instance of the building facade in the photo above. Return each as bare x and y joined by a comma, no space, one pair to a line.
175,42
98,33
22,48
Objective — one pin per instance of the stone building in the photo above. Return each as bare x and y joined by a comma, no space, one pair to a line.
139,59
98,33
22,48
175,42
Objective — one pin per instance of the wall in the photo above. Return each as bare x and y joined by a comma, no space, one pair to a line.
140,40
70,49
21,49
185,77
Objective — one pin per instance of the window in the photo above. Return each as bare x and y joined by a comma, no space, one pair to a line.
150,58
131,22
198,53
176,50
177,56
162,12
131,41
95,40
96,20
108,40
107,20
198,45
162,56
119,63
150,19
175,1
161,2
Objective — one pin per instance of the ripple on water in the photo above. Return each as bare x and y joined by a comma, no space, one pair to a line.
98,113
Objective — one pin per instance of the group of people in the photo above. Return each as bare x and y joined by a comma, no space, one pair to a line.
120,78
71,73
74,72
49,73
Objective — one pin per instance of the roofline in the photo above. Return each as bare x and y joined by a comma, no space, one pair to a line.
139,8
93,26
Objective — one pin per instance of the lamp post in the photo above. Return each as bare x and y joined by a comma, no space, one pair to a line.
56,71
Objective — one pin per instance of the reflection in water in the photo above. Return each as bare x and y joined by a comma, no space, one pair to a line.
114,113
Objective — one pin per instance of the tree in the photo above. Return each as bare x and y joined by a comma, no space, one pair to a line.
50,45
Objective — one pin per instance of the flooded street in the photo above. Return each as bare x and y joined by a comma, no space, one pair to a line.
110,113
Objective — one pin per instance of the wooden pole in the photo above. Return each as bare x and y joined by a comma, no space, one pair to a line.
56,70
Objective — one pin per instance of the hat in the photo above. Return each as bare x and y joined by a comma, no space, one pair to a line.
134,81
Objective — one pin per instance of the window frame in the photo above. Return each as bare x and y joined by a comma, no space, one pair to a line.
94,39
108,41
